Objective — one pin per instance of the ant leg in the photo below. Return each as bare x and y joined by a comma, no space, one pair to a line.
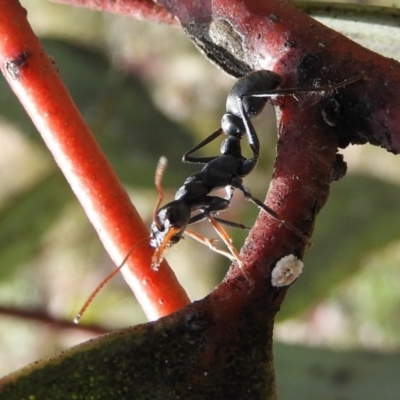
250,131
274,214
228,242
201,160
209,243
232,224
291,91
226,239
212,205
205,214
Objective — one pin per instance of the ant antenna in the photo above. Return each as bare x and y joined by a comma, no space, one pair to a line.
105,281
160,169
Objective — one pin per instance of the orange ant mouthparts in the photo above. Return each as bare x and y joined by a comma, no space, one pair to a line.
158,255
105,281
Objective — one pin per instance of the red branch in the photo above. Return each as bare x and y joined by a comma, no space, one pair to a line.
33,77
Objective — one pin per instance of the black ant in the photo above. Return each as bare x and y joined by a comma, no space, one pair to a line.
246,100
193,203
170,222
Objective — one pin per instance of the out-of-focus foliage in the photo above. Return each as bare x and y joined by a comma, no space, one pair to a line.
312,373
374,27
361,218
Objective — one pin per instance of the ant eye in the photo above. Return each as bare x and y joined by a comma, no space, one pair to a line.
254,105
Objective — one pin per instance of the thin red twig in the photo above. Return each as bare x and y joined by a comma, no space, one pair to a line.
44,318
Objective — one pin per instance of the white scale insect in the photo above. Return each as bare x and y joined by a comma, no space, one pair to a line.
286,271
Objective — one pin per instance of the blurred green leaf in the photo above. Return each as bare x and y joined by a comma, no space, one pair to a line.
309,373
27,217
374,27
361,216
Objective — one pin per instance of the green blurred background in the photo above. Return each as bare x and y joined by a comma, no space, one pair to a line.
146,92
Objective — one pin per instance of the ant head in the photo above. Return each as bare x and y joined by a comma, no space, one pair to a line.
247,96
168,228
169,224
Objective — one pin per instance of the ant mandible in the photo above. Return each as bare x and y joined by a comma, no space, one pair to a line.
192,203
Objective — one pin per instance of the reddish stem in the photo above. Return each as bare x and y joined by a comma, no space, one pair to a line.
33,77
50,321
140,9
